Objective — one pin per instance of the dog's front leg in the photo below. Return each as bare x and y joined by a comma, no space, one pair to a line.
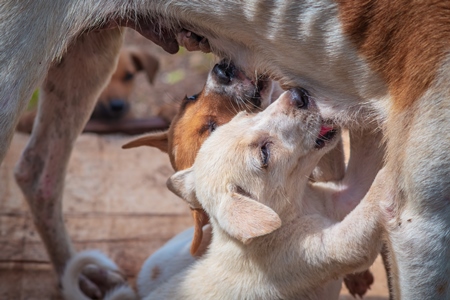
352,244
367,151
67,99
331,167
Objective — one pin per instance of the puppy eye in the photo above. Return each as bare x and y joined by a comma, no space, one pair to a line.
192,98
265,154
208,127
212,126
128,76
304,99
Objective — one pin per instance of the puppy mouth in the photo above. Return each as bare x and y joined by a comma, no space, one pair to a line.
327,133
236,83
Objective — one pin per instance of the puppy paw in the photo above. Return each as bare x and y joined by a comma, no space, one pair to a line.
358,283
95,282
193,42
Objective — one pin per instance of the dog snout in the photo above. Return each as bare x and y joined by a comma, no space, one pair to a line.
224,72
117,105
299,98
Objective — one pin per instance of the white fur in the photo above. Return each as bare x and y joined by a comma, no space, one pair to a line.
423,225
169,260
295,249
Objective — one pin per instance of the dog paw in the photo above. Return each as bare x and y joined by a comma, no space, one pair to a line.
95,282
193,42
358,283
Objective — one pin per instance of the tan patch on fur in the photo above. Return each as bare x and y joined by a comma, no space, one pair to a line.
206,240
156,271
187,132
404,41
200,220
157,140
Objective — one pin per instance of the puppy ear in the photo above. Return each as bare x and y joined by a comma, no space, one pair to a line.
182,184
198,246
244,218
144,61
158,140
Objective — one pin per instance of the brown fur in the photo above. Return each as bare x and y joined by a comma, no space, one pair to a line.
405,42
382,30
191,128
131,61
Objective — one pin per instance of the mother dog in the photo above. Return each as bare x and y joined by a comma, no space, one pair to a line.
364,62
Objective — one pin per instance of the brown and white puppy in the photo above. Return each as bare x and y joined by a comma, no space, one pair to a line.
276,235
363,62
113,103
227,92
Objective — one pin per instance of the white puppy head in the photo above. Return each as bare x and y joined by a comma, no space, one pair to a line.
249,169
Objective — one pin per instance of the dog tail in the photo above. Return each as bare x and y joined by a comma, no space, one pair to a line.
70,285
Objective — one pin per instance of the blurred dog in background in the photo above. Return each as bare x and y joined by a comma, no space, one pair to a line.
113,104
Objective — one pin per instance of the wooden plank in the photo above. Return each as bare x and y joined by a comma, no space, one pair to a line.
114,200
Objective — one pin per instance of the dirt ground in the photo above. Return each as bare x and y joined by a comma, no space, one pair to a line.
114,200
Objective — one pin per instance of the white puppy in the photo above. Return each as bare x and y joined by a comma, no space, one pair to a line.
275,234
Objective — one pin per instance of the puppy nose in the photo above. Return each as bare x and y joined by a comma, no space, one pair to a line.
117,105
299,98
224,72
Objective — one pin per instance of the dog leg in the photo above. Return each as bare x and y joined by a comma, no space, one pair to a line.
353,244
418,162
361,143
331,167
354,186
67,99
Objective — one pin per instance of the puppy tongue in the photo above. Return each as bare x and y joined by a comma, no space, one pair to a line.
324,130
